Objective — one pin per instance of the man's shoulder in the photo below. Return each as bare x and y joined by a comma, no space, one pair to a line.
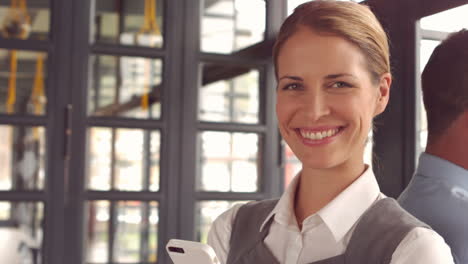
441,206
423,191
431,200
421,188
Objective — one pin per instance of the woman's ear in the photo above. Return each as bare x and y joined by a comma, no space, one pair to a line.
383,94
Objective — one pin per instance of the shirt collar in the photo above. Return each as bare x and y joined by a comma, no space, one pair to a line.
435,167
284,209
350,204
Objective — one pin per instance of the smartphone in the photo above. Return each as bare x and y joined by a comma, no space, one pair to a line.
190,252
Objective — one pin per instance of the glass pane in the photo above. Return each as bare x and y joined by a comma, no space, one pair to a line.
5,211
422,127
125,87
129,156
154,162
448,21
229,94
129,22
229,162
22,158
21,232
206,213
426,49
99,158
368,153
231,25
130,228
132,232
98,231
22,82
29,22
123,159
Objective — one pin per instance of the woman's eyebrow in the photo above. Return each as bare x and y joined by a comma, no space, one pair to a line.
338,75
295,78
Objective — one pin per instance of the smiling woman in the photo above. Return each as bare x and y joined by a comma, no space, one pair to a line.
327,99
333,71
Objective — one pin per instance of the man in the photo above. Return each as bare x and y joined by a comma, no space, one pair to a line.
438,192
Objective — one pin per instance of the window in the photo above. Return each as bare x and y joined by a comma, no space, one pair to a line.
124,116
24,131
235,132
169,140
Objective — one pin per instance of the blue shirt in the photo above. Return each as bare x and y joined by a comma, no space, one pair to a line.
438,196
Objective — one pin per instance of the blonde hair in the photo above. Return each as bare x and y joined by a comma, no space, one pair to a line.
351,21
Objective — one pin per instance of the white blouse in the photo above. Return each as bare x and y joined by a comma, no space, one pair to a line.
327,233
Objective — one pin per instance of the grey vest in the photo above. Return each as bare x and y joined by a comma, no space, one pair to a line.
378,233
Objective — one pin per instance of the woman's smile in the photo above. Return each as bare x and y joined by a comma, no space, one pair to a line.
319,135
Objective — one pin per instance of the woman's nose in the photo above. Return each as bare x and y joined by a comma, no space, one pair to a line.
315,105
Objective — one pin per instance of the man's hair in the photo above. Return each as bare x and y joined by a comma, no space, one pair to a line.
445,83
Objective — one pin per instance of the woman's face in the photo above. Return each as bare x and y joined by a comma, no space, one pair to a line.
326,99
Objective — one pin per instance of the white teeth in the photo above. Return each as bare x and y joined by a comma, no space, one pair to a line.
319,135
311,135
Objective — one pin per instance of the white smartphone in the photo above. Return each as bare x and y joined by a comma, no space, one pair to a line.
190,252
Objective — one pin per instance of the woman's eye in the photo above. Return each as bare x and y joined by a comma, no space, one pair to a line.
293,86
341,85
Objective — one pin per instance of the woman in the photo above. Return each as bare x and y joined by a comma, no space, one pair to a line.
333,71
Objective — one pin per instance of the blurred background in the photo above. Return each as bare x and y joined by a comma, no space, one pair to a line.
124,123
